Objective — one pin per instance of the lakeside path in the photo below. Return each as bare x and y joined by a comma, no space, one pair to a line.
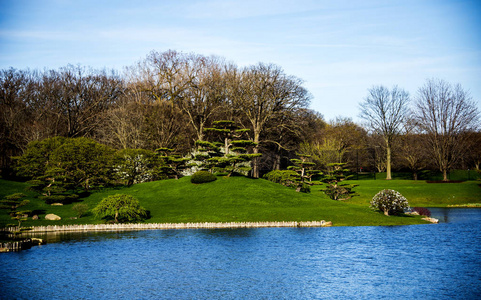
148,226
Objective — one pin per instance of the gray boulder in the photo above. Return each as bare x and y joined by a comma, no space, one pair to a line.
52,217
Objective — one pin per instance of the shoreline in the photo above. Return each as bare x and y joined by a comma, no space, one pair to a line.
154,226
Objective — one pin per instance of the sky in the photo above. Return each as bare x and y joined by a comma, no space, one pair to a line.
339,48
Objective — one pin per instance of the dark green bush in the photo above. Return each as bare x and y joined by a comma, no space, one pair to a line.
15,196
287,177
202,177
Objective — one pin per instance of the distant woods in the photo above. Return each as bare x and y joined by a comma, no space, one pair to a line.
164,101
169,99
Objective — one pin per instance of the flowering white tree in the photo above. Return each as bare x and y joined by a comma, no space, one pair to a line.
390,202
134,165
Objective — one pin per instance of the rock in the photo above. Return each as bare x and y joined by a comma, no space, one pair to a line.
327,224
432,220
37,241
35,217
73,218
52,217
56,204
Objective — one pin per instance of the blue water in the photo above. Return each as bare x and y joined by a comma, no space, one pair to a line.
438,261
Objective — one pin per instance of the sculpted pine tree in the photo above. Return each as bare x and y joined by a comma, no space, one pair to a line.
229,152
170,163
303,166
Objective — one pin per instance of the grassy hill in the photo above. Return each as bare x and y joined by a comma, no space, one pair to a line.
243,199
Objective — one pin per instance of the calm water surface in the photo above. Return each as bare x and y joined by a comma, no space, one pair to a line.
440,261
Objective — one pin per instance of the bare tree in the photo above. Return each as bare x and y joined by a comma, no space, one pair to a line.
262,93
385,111
14,113
412,147
194,83
205,94
446,113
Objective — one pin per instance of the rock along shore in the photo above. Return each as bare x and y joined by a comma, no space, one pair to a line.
147,226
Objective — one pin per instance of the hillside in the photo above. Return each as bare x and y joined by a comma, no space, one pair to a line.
225,200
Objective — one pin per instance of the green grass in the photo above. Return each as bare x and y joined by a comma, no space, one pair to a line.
456,175
238,199
420,193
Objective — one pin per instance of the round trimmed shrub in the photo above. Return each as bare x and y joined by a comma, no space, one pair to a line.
202,177
390,202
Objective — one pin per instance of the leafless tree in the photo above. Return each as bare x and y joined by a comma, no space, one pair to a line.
412,148
385,111
447,114
261,93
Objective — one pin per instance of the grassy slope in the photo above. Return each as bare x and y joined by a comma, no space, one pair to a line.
243,199
420,193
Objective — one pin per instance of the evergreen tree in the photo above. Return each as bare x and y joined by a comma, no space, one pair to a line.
336,189
229,153
303,166
170,163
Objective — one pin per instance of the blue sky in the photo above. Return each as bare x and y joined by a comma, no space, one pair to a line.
339,48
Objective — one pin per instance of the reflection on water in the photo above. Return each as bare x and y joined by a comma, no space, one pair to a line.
456,214
439,261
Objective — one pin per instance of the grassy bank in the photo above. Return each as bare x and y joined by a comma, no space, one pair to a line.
240,199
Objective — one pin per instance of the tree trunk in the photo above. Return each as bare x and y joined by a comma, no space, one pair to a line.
388,161
445,175
255,161
255,164
277,161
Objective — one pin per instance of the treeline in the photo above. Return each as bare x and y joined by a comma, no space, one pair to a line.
168,99
164,101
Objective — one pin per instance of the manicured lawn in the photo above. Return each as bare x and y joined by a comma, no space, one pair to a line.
240,199
421,193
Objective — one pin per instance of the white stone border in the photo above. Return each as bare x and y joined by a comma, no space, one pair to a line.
146,226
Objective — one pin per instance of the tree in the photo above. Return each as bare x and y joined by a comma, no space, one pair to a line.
83,95
447,115
234,150
14,113
262,93
336,189
412,147
60,167
303,166
134,165
121,208
12,202
390,202
36,158
83,163
193,83
385,111
335,143
170,163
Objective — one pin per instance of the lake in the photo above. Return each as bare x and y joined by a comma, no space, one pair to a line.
435,261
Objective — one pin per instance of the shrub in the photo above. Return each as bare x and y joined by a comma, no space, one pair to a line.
80,209
16,196
286,177
390,202
202,177
423,211
121,208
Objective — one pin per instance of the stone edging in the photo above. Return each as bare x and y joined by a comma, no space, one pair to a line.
146,226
